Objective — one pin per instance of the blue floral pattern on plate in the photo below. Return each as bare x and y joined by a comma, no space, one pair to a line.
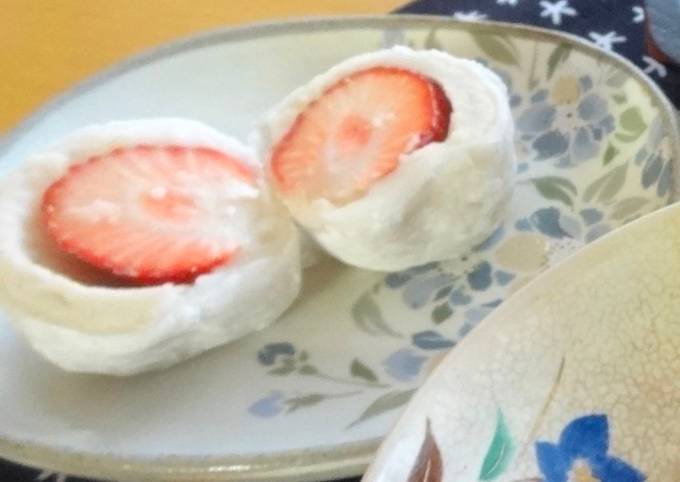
592,157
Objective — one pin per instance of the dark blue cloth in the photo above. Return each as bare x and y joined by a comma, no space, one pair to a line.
621,25
618,24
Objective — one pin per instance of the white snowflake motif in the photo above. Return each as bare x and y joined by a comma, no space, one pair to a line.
654,66
46,475
606,41
512,3
638,14
472,16
556,10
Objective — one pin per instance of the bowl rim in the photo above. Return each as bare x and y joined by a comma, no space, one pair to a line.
335,461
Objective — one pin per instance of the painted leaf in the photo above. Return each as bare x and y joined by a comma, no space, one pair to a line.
282,370
614,183
385,403
627,207
431,340
499,453
360,370
555,188
441,313
496,48
609,154
307,370
368,317
428,466
558,57
432,42
443,293
617,78
594,187
619,98
296,403
632,123
606,185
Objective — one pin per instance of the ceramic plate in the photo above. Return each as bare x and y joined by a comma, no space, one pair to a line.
574,379
312,396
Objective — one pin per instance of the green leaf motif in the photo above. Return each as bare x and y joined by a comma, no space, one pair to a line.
628,207
281,371
384,403
614,184
632,123
608,185
555,188
304,401
619,98
441,313
308,370
609,154
558,57
360,370
368,317
496,47
500,451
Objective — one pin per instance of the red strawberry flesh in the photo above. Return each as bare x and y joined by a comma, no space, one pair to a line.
356,132
148,214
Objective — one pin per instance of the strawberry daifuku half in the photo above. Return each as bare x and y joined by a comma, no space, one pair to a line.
394,158
130,246
356,131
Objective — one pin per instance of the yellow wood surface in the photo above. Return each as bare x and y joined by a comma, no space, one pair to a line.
47,45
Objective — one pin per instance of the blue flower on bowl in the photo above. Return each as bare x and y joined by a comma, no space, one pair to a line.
567,123
581,455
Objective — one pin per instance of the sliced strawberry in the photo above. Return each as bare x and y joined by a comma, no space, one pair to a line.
148,214
356,131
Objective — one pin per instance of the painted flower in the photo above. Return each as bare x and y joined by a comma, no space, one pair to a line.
581,455
568,123
268,354
404,365
268,406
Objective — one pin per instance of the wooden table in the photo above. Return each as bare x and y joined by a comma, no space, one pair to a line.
48,45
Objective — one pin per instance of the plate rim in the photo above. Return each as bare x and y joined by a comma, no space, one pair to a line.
330,461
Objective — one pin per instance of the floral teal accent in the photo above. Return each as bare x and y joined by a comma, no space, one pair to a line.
500,451
404,365
582,454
